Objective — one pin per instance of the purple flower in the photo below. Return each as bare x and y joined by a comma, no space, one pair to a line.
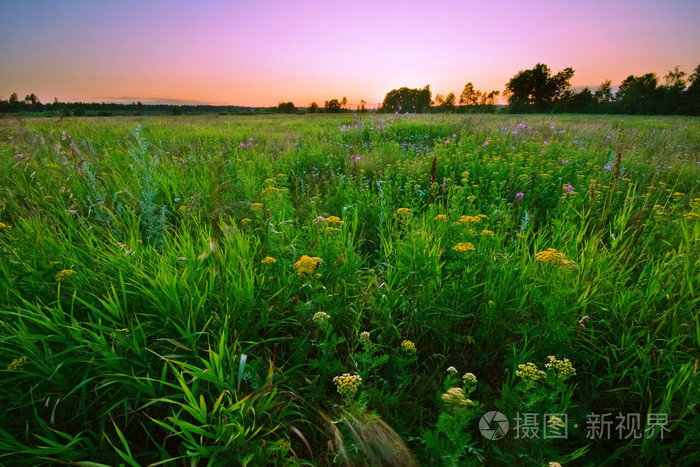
608,138
553,127
607,167
522,126
568,188
355,158
519,196
514,132
486,143
565,161
447,141
546,143
562,132
454,135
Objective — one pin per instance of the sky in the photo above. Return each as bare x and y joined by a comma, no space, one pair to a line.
262,52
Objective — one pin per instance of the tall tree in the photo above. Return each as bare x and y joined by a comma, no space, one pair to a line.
537,87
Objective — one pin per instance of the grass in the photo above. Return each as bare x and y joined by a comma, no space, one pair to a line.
154,310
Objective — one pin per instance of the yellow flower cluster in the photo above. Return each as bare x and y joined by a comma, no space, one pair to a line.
332,229
488,233
63,274
268,260
469,379
4,226
17,363
441,218
307,265
408,346
347,384
691,215
529,371
463,247
269,181
270,190
404,212
321,318
335,220
455,397
563,368
256,206
555,422
554,258
472,219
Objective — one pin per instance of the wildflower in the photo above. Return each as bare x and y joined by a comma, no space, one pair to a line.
245,220
404,212
182,208
556,464
488,233
452,370
582,321
17,363
555,422
564,161
268,260
469,379
364,337
281,176
408,346
321,318
270,190
347,384
455,397
554,258
335,220
463,247
63,274
607,167
307,265
529,372
50,166
4,226
562,368
568,188
691,215
519,196
486,143
256,206
441,217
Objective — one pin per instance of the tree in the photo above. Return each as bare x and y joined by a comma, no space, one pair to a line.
637,94
332,106
407,100
469,95
363,103
313,108
439,99
287,108
343,102
537,87
449,104
604,93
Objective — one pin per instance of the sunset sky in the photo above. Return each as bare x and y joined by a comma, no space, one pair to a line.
262,52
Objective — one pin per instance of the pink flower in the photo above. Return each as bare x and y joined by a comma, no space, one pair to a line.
486,143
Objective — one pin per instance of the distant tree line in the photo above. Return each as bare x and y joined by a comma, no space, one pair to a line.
528,91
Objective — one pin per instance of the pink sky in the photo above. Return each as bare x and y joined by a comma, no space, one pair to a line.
262,52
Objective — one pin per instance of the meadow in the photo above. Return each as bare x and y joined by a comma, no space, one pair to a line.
350,289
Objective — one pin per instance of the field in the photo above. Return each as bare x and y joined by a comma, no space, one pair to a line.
355,289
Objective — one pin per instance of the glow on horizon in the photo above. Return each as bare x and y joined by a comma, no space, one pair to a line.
262,52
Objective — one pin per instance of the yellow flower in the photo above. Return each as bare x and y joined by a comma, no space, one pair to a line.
488,233
455,397
463,247
4,226
562,368
245,220
335,220
48,197
271,190
256,206
332,230
404,212
17,363
307,265
554,258
347,384
441,218
555,422
269,181
63,274
408,346
268,260
182,208
691,215
469,379
529,372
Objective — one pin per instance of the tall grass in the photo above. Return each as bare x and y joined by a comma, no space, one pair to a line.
154,310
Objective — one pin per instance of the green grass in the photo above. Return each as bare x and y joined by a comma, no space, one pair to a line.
140,326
